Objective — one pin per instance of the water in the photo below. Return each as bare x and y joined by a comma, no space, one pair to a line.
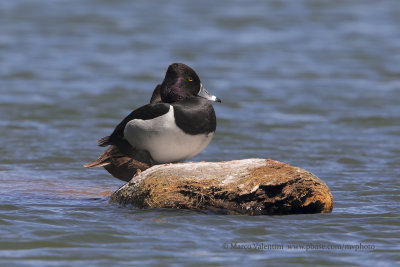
311,83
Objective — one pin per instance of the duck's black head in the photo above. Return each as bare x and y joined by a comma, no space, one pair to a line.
182,82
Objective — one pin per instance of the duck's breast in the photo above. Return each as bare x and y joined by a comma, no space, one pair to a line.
164,140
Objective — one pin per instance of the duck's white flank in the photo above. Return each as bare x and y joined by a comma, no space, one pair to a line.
165,141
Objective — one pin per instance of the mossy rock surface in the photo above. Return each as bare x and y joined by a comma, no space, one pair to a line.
249,186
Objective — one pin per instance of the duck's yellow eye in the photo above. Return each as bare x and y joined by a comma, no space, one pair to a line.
190,79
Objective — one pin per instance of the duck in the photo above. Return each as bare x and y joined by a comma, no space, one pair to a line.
177,124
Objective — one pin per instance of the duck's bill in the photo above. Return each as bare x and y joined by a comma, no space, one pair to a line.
203,93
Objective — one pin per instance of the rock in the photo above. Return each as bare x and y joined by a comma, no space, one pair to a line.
249,186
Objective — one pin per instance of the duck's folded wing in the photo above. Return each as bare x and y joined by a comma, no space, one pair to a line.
146,112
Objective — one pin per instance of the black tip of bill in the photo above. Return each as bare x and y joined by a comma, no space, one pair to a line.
203,93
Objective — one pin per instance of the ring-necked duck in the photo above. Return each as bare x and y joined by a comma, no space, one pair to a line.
178,123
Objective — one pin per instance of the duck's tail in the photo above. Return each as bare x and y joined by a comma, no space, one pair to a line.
97,163
102,161
122,166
